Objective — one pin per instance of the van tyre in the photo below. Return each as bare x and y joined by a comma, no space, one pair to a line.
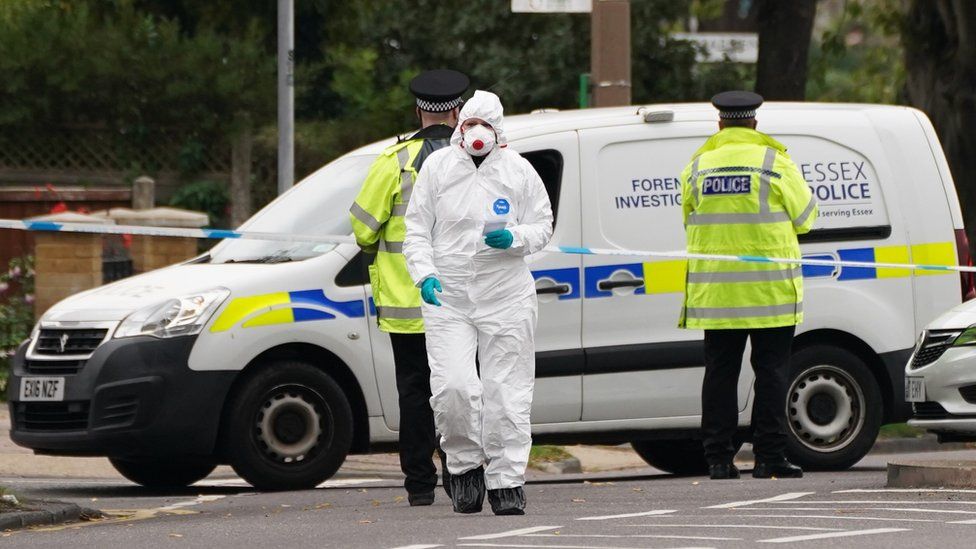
163,473
833,407
680,457
289,426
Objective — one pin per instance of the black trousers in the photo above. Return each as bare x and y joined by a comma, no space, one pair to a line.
417,438
720,408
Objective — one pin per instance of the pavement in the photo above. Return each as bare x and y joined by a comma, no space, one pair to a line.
616,502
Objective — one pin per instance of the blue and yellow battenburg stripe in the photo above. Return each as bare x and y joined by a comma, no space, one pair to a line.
668,276
284,308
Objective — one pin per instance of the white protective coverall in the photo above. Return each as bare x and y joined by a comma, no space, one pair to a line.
488,304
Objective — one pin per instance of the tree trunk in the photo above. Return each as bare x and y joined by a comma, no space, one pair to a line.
784,42
940,58
240,177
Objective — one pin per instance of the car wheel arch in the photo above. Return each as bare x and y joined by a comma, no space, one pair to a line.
329,363
861,349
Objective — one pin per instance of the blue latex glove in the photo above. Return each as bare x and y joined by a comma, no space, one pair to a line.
427,289
501,239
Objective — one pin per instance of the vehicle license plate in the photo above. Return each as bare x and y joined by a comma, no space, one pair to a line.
914,389
42,388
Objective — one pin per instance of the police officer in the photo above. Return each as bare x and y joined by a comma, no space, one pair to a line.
378,223
742,195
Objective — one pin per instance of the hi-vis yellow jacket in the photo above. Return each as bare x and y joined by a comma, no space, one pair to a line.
742,195
377,221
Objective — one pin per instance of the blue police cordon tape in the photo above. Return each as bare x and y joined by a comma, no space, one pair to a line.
50,226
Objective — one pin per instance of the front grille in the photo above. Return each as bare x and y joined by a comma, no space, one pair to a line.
968,393
64,342
51,416
929,410
932,347
53,367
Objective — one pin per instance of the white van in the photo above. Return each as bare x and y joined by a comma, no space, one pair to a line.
266,355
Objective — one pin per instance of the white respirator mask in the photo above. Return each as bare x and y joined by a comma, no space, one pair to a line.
479,140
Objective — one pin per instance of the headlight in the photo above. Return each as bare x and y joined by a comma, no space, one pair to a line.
968,337
184,315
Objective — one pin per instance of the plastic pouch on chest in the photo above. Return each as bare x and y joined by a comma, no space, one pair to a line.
498,213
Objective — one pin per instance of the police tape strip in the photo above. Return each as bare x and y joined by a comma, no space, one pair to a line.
50,226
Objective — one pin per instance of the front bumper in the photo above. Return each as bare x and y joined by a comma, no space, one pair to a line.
949,409
133,397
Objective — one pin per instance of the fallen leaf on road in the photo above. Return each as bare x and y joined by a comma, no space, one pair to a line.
579,500
365,522
362,490
176,535
284,505
323,506
694,483
637,489
376,503
398,499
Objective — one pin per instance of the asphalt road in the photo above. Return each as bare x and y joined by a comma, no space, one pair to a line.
636,508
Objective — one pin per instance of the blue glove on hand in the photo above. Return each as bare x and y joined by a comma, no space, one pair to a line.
427,289
501,239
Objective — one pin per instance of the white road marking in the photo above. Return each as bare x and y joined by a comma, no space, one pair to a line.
877,501
630,515
849,533
781,497
558,546
837,517
418,546
334,483
963,522
835,509
191,503
511,533
902,491
654,536
753,526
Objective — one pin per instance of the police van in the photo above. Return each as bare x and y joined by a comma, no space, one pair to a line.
266,355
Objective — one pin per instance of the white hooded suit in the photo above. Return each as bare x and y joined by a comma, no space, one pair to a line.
488,304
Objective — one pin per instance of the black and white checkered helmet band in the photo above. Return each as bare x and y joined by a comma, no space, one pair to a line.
434,106
737,114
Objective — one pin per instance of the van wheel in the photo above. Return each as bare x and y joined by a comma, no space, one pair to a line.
288,427
680,457
833,406
157,473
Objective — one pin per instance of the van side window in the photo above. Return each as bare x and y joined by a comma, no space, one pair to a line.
549,165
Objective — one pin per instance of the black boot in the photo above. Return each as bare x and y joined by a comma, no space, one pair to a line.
468,491
723,471
776,469
421,499
507,501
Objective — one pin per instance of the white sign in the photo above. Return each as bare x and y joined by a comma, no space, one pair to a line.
739,47
552,6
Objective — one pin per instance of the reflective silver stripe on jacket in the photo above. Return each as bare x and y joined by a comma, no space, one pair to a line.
391,247
743,312
745,276
737,218
406,178
399,313
802,218
364,217
694,182
399,209
767,168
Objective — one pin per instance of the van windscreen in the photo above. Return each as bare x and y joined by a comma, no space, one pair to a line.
318,205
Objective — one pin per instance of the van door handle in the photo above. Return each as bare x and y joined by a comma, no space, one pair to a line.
606,285
558,289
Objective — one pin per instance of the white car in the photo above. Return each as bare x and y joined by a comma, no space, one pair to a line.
940,379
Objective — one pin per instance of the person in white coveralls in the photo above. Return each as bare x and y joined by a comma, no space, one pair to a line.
478,208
